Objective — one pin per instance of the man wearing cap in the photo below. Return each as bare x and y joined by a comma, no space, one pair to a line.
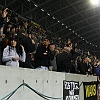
43,55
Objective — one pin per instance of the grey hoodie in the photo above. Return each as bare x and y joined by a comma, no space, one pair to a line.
8,57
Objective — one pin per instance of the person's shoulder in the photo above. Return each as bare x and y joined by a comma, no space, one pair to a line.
58,55
26,39
41,46
6,48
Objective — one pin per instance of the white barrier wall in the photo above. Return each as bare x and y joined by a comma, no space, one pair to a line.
45,82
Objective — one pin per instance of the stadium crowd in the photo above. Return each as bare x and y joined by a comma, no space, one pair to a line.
23,44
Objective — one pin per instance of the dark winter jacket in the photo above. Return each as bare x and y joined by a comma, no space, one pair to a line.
41,59
29,47
63,62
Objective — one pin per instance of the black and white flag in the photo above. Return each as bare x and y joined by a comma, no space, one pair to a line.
70,90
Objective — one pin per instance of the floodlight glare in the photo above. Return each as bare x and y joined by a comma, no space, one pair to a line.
95,2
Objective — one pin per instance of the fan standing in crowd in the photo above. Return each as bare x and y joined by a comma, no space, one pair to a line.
12,55
53,62
43,55
3,14
29,47
64,60
84,67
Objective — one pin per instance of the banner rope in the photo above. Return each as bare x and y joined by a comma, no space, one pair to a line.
38,93
80,85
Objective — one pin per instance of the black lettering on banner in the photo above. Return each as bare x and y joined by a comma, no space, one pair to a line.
70,90
90,90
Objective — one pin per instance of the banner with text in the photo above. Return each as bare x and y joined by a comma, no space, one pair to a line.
90,90
70,90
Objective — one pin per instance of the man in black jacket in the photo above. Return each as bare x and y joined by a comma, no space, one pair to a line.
84,66
3,14
43,55
64,60
28,46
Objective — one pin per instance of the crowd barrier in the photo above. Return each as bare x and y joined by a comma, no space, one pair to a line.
33,84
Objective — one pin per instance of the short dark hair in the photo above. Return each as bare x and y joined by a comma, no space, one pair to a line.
46,38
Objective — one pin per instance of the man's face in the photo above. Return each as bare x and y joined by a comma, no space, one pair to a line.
46,42
87,60
52,47
67,49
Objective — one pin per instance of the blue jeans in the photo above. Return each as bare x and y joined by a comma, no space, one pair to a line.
42,68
